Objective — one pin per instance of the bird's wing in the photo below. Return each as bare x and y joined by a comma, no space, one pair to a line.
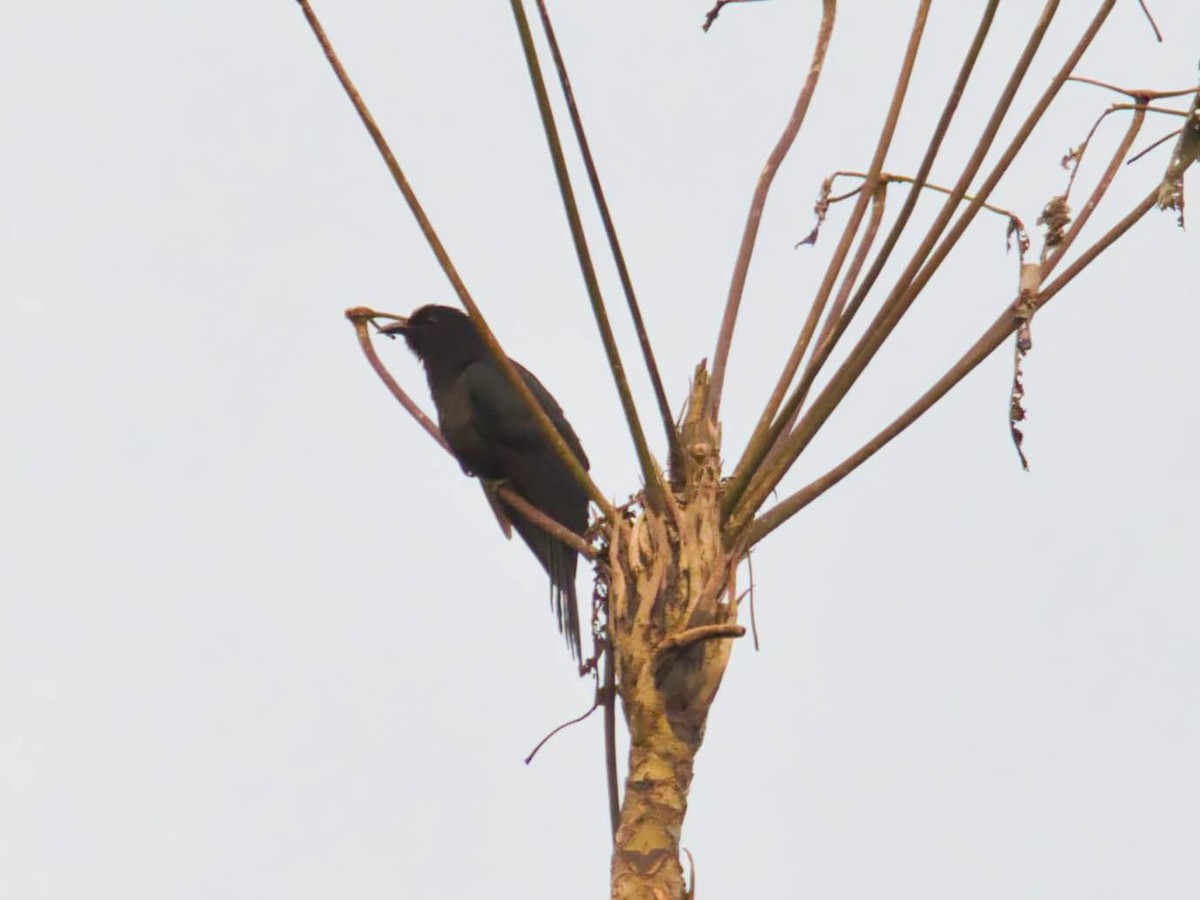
529,465
501,416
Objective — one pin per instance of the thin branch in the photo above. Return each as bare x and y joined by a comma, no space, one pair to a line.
1150,18
359,316
843,321
435,244
878,206
650,473
711,15
750,590
758,202
701,633
928,186
543,521
1102,184
1074,157
1000,330
575,721
906,291
610,734
756,453
1162,140
602,599
1136,94
675,451
758,445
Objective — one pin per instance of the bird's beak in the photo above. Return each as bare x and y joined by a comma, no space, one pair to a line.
397,327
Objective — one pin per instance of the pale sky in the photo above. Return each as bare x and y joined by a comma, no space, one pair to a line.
259,636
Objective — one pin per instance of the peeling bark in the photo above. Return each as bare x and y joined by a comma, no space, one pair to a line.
667,591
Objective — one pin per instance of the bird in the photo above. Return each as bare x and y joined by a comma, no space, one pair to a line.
495,437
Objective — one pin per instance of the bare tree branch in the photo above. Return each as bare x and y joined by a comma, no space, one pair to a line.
1055,256
675,451
758,202
711,15
999,331
650,471
435,244
913,281
754,455
758,445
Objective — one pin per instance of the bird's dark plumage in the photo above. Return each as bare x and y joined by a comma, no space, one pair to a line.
494,436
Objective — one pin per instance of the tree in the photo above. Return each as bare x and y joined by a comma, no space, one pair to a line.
668,605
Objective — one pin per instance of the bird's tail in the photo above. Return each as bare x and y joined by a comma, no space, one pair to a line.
559,561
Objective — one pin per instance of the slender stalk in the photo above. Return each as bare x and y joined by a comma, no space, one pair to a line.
1085,213
758,445
898,227
999,331
758,202
839,303
359,316
650,472
906,291
610,736
1134,93
878,206
888,178
439,251
756,453
675,451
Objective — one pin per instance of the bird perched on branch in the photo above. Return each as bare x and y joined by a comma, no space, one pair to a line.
494,436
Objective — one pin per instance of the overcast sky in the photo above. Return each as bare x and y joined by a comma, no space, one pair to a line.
260,638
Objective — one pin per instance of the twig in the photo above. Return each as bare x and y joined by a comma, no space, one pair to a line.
878,206
1138,94
701,633
760,442
792,408
753,620
842,322
675,451
439,251
1102,184
711,15
543,521
359,316
924,263
1000,330
650,473
1150,18
1162,140
610,731
758,202
575,721
888,178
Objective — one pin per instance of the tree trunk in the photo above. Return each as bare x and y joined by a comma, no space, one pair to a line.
672,622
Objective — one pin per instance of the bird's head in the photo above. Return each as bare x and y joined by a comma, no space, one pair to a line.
440,336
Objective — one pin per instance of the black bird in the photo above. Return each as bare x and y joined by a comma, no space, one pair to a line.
495,437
